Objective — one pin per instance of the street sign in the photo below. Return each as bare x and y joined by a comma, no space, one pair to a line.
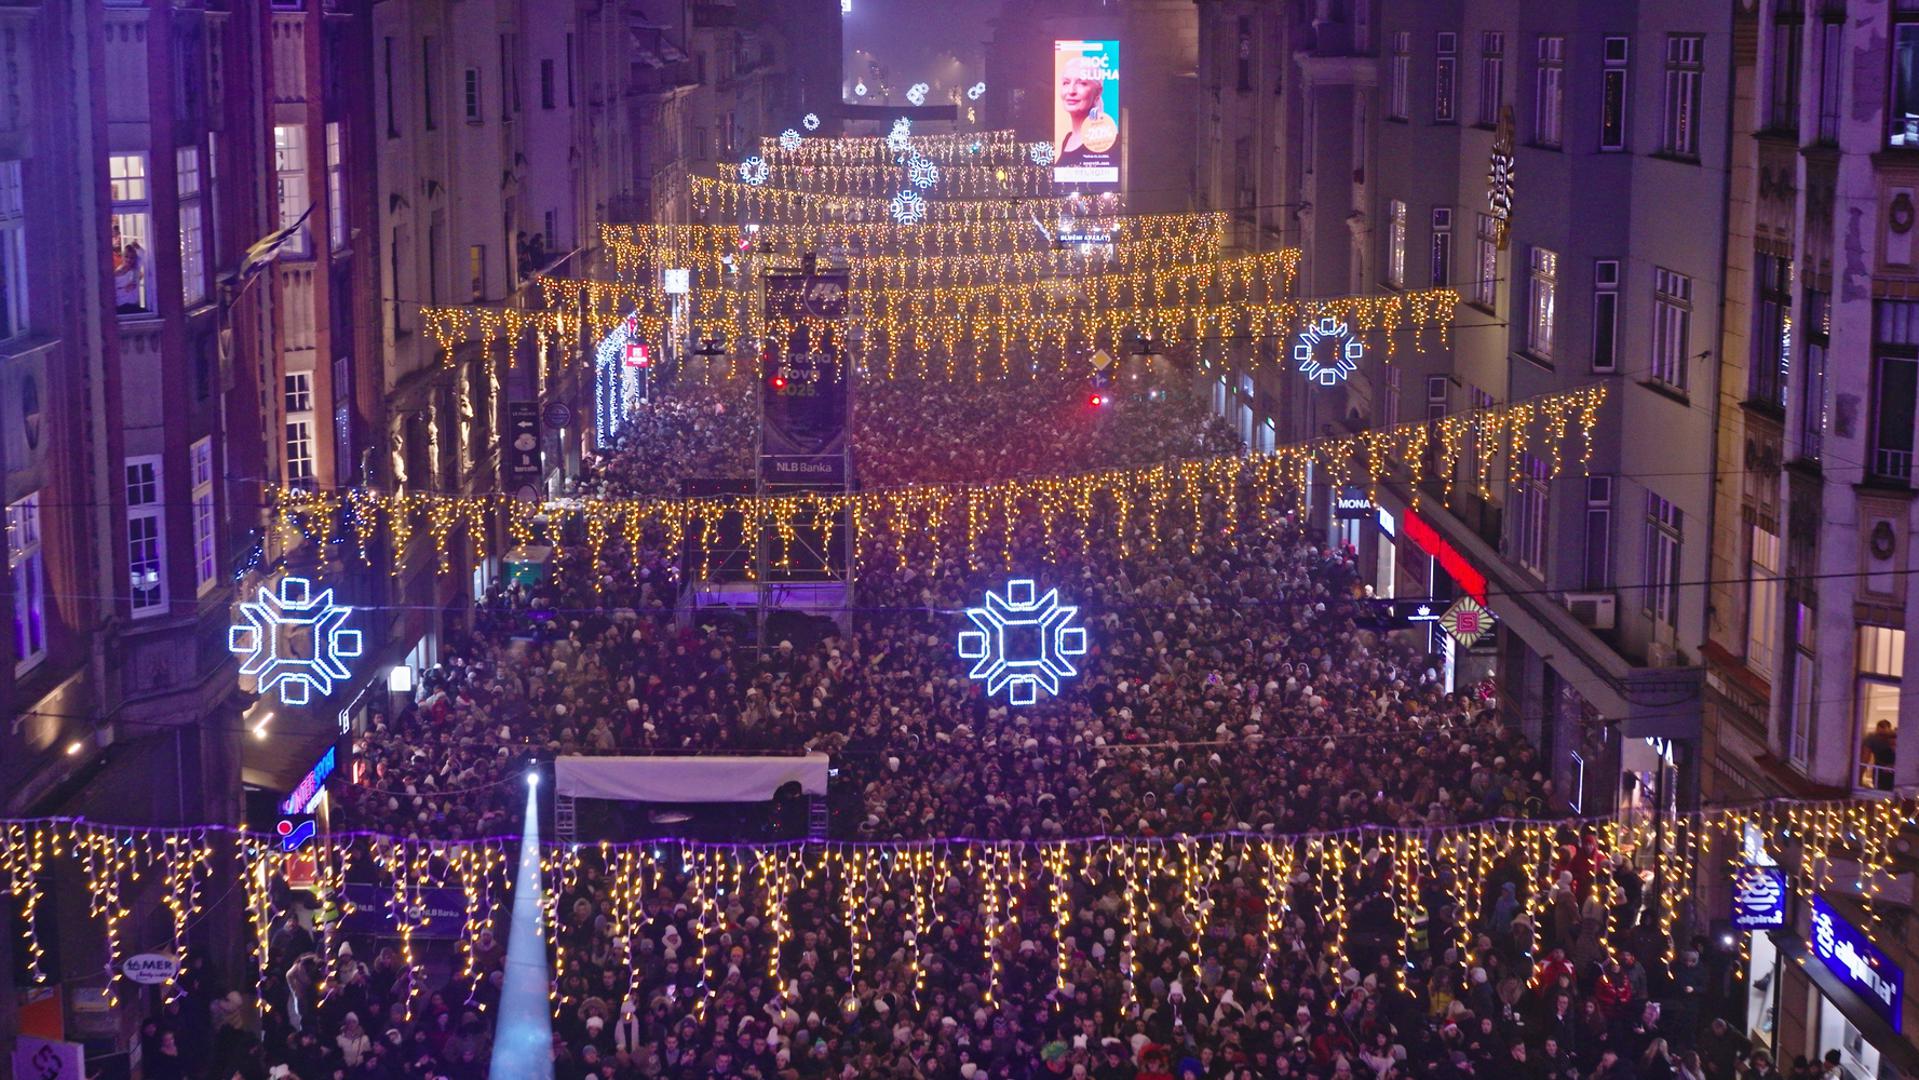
1102,360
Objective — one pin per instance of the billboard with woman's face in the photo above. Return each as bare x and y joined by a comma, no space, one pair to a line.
1086,112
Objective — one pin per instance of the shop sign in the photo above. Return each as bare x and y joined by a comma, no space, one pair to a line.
150,969
1759,898
1470,581
1857,962
1351,504
306,795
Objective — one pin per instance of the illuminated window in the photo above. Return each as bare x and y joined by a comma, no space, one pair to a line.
1612,94
13,252
1442,248
28,569
205,524
1445,78
131,228
290,177
1544,299
1486,262
1764,589
335,188
146,538
1880,668
1685,57
1396,244
1549,97
299,442
1671,328
193,242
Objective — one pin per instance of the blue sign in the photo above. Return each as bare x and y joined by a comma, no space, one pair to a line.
433,913
1759,898
1857,962
306,794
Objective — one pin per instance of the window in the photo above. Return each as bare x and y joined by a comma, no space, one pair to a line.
1436,397
1486,262
1804,687
1817,330
569,70
1492,76
1788,25
205,524
1829,37
28,568
300,453
1389,409
546,84
1684,58
1879,669
290,173
1245,54
1664,522
429,74
1903,110
1764,589
1399,94
299,391
1672,321
1894,382
146,539
1396,244
1549,92
1442,254
392,115
1532,487
193,241
476,266
132,226
1771,331
1445,78
1544,295
474,108
1598,534
1612,94
335,188
1605,314
13,251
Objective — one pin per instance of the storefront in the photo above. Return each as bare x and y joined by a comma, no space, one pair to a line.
1855,993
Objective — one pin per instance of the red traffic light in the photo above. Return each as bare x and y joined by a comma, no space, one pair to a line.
779,382
1097,400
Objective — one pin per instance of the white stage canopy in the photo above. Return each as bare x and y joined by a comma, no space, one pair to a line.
704,779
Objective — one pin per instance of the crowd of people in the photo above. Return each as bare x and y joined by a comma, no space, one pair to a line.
1233,684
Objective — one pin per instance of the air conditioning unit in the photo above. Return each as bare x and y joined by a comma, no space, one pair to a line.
1597,610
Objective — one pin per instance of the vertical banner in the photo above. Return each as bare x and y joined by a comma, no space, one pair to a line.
522,444
803,384
1086,113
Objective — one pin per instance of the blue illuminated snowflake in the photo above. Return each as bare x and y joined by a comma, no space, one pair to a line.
909,208
812,122
900,139
260,638
1022,643
753,170
922,172
976,91
1040,153
1346,351
789,140
917,95
859,88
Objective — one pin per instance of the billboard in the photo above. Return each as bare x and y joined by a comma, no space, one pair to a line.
1086,112
803,393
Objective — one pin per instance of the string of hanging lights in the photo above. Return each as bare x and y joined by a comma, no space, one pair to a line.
1024,888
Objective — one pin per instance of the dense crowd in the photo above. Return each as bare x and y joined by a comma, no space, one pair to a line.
1233,684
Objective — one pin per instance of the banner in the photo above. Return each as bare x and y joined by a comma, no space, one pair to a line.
803,386
1086,113
522,443
434,913
704,779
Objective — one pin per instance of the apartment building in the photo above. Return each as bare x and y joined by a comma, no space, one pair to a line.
1806,648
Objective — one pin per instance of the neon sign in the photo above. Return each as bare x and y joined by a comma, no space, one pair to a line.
1470,581
1022,642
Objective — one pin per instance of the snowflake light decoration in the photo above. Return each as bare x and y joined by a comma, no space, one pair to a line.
900,139
1346,350
753,170
922,172
1040,153
976,91
790,140
859,88
917,94
260,639
909,208
1021,643
812,122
